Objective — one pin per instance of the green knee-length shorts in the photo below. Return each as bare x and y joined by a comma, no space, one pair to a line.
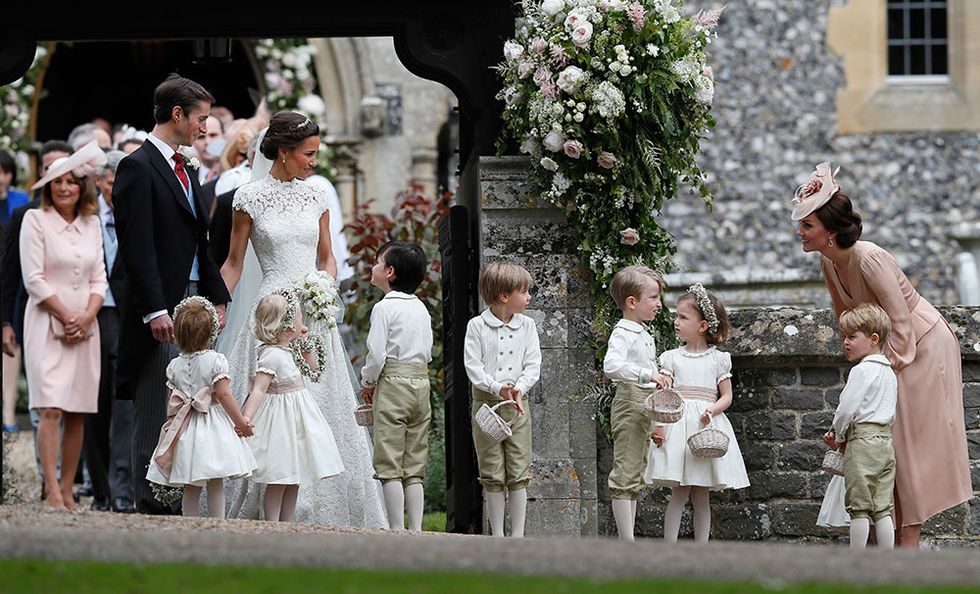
401,422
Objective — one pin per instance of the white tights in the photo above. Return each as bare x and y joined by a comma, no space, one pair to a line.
675,509
191,503
280,502
884,532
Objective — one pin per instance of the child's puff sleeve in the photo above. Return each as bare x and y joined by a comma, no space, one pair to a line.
171,373
219,369
724,366
666,361
267,362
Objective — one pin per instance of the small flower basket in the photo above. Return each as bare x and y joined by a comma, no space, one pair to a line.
833,463
708,443
166,495
364,415
664,406
492,424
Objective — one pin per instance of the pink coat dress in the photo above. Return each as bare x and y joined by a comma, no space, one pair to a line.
63,259
929,435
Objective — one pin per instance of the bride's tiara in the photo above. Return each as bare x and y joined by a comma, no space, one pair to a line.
304,123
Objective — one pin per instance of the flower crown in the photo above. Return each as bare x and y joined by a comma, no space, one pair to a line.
292,307
208,307
704,304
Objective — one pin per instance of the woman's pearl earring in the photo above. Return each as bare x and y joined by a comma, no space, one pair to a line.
284,160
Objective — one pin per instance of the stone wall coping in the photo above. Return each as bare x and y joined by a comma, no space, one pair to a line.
780,333
744,276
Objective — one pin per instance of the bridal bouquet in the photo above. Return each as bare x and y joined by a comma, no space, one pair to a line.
321,297
610,99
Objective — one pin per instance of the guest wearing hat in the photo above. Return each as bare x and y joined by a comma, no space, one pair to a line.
929,434
63,267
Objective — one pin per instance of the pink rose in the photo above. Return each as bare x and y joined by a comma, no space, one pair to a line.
629,236
582,34
606,160
573,148
812,187
541,76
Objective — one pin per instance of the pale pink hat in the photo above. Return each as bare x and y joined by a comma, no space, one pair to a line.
816,191
83,162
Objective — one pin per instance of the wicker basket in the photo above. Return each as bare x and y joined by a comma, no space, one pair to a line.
708,443
364,415
664,406
492,424
833,463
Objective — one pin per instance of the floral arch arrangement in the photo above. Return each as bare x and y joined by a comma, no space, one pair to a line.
610,99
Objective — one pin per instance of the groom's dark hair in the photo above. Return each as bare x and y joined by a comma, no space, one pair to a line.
177,91
409,262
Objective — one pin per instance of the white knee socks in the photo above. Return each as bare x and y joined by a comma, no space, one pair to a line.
394,493
623,513
517,502
885,532
496,501
860,528
216,498
415,502
191,503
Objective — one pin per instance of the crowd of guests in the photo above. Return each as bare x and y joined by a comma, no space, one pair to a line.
59,241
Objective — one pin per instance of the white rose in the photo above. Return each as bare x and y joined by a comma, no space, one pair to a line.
574,19
311,104
578,117
524,68
272,79
552,7
549,164
615,66
582,34
626,70
289,60
570,78
554,141
513,50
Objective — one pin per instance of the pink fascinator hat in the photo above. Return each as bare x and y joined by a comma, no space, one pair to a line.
816,191
83,162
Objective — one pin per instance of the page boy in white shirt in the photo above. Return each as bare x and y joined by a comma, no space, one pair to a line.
631,362
395,380
862,426
503,361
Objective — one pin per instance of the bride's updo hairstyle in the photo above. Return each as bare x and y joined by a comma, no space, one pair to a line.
287,130
838,216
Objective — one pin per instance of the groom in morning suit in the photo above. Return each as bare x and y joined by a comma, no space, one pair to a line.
162,228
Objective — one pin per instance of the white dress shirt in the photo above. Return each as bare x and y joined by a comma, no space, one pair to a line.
401,330
496,354
632,355
168,156
869,396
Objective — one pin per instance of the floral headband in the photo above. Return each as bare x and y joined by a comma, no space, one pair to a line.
821,186
209,307
292,307
704,304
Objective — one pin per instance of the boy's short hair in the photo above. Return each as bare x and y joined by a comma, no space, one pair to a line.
867,318
630,281
192,328
409,262
502,277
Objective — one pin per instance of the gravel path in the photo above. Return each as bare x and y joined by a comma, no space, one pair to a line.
30,530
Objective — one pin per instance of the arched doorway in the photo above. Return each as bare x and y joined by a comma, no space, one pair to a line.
115,81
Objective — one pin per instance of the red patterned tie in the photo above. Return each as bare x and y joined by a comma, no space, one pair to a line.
181,172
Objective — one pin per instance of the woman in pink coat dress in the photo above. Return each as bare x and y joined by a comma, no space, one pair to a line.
929,434
64,274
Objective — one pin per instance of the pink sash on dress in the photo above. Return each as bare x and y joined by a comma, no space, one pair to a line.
697,393
179,406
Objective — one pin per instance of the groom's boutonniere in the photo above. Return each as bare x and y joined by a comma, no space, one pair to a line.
190,157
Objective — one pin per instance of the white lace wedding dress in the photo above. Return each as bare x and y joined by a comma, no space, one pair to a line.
285,233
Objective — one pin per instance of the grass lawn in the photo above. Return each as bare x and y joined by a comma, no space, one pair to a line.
434,522
85,577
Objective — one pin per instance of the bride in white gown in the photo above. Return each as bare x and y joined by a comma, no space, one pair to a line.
288,224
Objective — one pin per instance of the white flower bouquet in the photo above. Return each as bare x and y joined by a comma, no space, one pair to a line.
610,99
321,297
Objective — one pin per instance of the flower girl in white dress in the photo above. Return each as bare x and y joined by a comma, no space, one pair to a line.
293,443
199,443
702,374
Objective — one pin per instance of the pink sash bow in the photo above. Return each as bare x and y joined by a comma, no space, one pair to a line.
179,406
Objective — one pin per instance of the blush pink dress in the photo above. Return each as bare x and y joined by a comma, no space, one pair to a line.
932,463
63,259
